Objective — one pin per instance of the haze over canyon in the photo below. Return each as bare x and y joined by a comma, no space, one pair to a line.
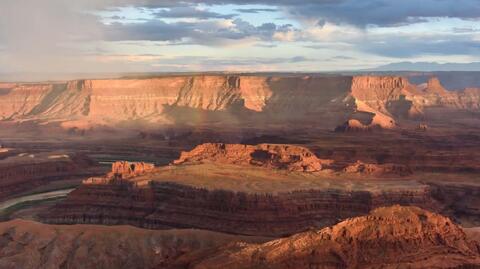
253,134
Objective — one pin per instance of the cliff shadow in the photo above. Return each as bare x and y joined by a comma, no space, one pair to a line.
400,108
236,115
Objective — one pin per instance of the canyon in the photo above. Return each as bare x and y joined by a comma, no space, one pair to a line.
240,171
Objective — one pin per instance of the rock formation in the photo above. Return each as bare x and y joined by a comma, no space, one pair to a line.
288,157
121,171
422,127
394,237
256,100
126,170
378,169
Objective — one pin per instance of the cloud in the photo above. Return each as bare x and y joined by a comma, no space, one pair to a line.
55,35
406,46
255,10
246,64
42,35
362,13
465,30
266,45
191,12
215,33
342,57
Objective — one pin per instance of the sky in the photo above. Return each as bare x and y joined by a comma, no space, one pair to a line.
87,36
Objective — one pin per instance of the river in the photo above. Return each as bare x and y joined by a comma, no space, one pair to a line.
34,197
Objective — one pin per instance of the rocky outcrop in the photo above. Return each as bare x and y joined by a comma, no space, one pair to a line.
125,170
355,125
122,171
435,87
394,237
377,169
390,97
203,99
422,127
288,157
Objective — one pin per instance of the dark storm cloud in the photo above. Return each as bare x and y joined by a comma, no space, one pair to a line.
153,30
200,32
354,12
387,12
255,10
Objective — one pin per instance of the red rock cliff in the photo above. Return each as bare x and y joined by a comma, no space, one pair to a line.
237,99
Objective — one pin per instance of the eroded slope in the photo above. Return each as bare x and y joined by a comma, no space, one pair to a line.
30,245
394,237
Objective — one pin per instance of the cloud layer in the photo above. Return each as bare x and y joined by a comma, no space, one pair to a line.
58,35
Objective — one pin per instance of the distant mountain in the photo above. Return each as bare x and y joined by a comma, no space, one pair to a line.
428,67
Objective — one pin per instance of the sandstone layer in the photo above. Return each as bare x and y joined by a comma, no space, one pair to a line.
365,101
396,237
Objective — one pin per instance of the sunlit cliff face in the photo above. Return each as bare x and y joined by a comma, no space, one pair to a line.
363,102
55,37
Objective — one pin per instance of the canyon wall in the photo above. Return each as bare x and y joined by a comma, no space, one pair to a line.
167,205
19,174
16,178
370,100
